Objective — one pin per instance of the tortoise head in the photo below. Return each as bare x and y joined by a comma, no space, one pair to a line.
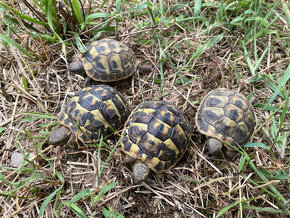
140,171
76,67
213,145
60,136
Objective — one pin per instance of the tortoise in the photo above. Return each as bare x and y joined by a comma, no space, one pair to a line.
106,60
92,111
155,136
226,117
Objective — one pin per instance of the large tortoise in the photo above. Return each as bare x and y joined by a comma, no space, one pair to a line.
226,117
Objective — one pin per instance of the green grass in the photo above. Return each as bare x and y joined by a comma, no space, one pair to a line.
194,47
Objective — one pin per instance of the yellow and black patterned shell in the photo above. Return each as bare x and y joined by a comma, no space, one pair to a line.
157,133
95,110
227,116
108,60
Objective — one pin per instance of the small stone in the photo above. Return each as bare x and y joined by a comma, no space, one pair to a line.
16,159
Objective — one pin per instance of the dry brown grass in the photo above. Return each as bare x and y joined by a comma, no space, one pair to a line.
215,181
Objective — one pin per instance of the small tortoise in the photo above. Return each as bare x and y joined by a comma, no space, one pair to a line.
155,137
106,60
225,116
95,110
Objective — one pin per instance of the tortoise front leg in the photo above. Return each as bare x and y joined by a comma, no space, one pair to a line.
89,82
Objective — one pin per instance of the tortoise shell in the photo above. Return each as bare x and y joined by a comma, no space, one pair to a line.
108,60
226,115
95,110
157,133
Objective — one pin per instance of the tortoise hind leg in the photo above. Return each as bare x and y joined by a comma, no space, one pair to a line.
76,68
59,136
140,171
213,145
89,82
144,68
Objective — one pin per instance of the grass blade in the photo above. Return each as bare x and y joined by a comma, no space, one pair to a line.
77,11
16,45
16,22
260,60
256,144
118,12
226,209
201,49
285,78
197,8
95,16
108,158
277,194
22,16
151,13
80,195
47,200
271,83
279,197
242,164
286,12
284,112
2,129
248,60
281,146
141,6
76,209
161,77
270,210
221,11
3,179
103,191
111,213
35,116
52,18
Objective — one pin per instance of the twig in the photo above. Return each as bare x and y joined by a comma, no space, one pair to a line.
7,121
212,181
213,166
165,199
267,184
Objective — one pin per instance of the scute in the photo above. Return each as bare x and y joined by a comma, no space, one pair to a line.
157,133
217,101
167,154
226,115
212,116
150,145
108,60
241,133
136,132
159,129
240,102
167,117
179,137
93,111
234,113
225,126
